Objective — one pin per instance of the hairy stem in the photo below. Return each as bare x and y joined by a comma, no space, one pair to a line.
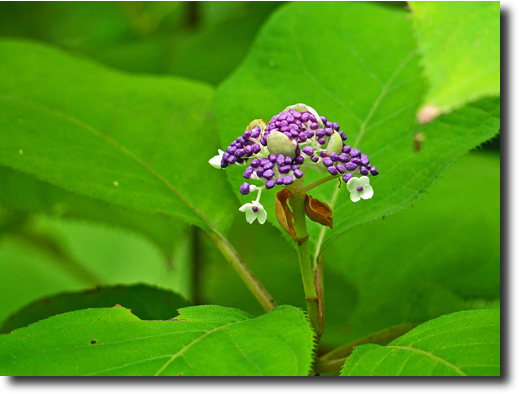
255,286
297,201
319,286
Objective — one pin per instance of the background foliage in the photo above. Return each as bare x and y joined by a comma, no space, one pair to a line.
109,112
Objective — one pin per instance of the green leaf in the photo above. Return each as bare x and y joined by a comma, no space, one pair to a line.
363,73
145,302
24,194
438,257
135,141
204,341
30,270
459,46
460,344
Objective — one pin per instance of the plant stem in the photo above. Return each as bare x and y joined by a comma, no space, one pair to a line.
319,286
255,286
297,201
319,182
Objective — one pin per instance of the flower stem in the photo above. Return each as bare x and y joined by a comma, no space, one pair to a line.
319,182
255,286
297,201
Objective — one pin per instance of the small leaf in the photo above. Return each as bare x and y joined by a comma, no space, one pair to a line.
460,344
284,214
318,211
204,340
146,302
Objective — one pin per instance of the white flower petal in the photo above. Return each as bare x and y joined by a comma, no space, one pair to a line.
354,195
250,216
245,207
216,161
262,216
367,192
363,181
352,184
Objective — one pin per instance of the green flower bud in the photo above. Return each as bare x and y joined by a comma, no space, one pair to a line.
279,143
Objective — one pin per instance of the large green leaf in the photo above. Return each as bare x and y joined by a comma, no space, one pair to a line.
359,68
203,340
460,344
145,302
459,45
133,141
438,257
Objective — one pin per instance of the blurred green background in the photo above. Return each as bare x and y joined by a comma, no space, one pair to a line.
439,256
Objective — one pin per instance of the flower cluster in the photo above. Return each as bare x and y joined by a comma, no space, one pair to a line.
295,140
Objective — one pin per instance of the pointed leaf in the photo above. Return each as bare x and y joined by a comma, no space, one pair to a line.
460,344
202,341
134,141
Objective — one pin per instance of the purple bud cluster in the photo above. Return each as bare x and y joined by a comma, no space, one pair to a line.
311,136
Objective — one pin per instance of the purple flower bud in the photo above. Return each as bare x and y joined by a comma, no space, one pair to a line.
224,164
240,140
231,150
364,171
285,130
268,174
328,124
296,114
312,118
360,188
294,133
354,152
293,126
305,117
256,131
344,157
231,159
343,136
248,150
290,118
315,158
373,171
288,180
255,163
279,180
356,160
320,133
309,133
328,131
327,162
298,173
225,155
347,177
294,167
268,166
299,160
264,161
351,166
256,148
314,126
263,141
259,172
247,134
239,160
335,126
321,141
280,159
341,168
270,184
332,170
324,119
288,160
308,150
334,156
302,137
245,188
255,208
322,153
346,149
284,169
364,159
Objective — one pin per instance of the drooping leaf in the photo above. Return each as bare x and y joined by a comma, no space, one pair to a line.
203,341
145,302
440,256
29,271
363,73
460,344
459,45
134,141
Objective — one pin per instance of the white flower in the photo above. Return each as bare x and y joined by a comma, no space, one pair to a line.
251,216
359,188
216,161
